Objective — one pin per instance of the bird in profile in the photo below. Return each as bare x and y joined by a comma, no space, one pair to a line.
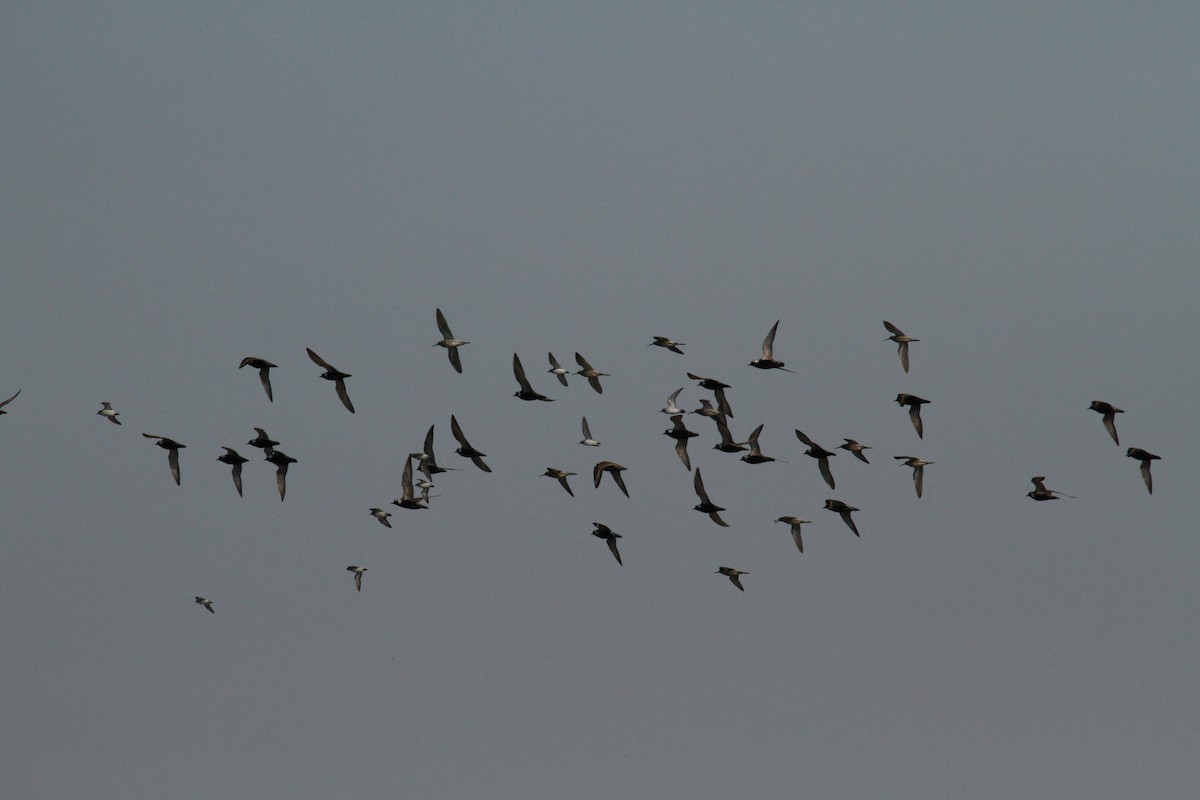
706,506
706,409
358,573
604,532
767,361
1145,458
592,374
855,448
108,413
557,370
204,601
234,459
526,391
426,481
820,454
669,344
281,460
918,468
1110,417
6,402
718,390
914,404
466,451
264,368
382,516
671,409
612,468
900,339
426,458
338,378
844,510
561,476
172,447
449,342
263,442
587,440
795,523
733,575
407,499
1040,492
727,444
680,434
755,456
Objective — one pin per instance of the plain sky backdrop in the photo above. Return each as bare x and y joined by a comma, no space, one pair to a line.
1015,184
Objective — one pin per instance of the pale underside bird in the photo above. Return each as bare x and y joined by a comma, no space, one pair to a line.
557,370
108,413
604,532
669,344
332,374
592,374
382,516
264,368
901,340
707,506
358,573
1145,458
587,440
426,458
449,342
671,409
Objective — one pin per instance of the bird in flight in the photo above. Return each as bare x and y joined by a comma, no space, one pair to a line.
671,409
733,575
587,435
604,532
1040,492
204,601
680,434
263,442
526,391
795,523
838,507
6,402
264,372
718,390
108,413
557,370
281,460
707,506
592,374
449,342
755,456
727,444
338,378
669,344
914,404
1110,417
767,361
406,498
358,573
234,459
466,451
855,448
918,468
172,447
561,475
1145,458
612,468
382,516
820,454
900,339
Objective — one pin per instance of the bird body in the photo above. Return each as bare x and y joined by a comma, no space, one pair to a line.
844,510
526,391
466,450
172,447
1040,492
557,370
281,460
358,573
108,413
669,344
671,409
901,341
604,532
264,368
204,601
680,434
767,360
587,440
914,404
382,516
407,498
1110,417
755,456
718,390
855,448
1145,458
561,476
234,459
449,342
612,468
795,523
821,455
592,374
918,468
707,506
733,575
263,442
338,378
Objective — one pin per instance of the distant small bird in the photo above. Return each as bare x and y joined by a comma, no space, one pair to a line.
561,476
604,532
234,459
358,573
820,454
1110,417
680,434
466,451
918,468
426,481
914,404
426,458
204,601
900,339
526,391
612,468
449,342
108,413
6,402
264,368
332,374
281,460
1040,492
587,440
855,448
557,370
670,344
671,409
706,409
707,506
727,444
755,456
592,374
718,390
382,516
172,447
263,441
733,575
844,510
406,498
1144,457
795,523
767,361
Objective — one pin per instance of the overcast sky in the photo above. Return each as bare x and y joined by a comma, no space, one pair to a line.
1016,185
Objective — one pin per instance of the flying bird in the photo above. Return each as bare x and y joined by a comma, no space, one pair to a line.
795,523
557,370
281,460
680,434
914,404
706,506
767,361
108,413
855,448
755,456
706,409
263,442
234,459
727,444
358,573
671,409
204,601
466,451
449,342
844,510
592,374
900,339
426,458
264,368
172,447
587,435
821,455
1144,457
670,344
338,378
406,498
918,468
6,402
561,475
733,575
1110,417
612,468
1040,492
382,516
604,532
718,390
526,391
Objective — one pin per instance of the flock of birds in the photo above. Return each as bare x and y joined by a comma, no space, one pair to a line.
718,409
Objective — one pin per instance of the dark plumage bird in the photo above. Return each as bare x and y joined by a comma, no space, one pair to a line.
172,447
1040,492
612,468
449,342
795,523
727,444
108,413
338,378
820,454
855,448
733,575
407,499
561,476
358,573
844,510
235,460
918,468
6,402
900,339
755,456
767,361
263,442
204,601
557,370
706,409
669,344
592,374
426,458
680,434
466,451
707,506
281,460
718,390
1110,417
914,404
526,391
264,368
1145,458
604,532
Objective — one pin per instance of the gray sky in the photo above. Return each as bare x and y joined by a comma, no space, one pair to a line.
187,185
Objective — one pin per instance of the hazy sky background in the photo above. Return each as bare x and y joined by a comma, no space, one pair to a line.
1014,184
